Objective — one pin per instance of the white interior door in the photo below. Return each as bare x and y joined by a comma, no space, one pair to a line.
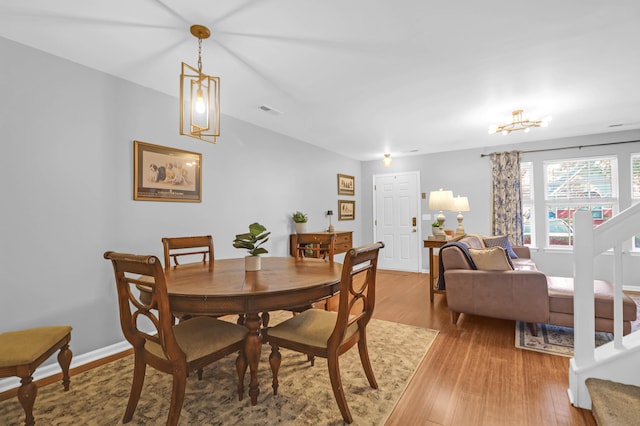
396,220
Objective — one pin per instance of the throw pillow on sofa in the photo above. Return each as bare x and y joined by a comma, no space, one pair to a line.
500,241
491,259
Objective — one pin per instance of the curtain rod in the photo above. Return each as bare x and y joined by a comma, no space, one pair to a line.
569,147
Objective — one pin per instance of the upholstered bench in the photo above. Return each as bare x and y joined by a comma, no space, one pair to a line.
21,352
561,304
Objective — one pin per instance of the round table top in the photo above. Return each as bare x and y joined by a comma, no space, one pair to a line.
281,283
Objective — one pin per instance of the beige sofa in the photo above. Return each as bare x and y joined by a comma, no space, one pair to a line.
523,294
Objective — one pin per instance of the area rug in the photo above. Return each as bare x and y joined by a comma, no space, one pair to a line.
556,340
551,339
99,396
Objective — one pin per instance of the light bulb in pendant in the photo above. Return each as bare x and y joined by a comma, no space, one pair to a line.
200,105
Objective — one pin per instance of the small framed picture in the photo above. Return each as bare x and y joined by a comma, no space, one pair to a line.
346,185
166,174
346,210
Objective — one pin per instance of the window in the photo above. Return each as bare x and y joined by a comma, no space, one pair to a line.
635,191
526,196
580,184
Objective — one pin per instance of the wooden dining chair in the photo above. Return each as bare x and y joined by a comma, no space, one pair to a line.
21,352
316,245
187,246
320,244
174,349
329,334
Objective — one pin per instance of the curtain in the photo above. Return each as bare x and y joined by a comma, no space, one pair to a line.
506,207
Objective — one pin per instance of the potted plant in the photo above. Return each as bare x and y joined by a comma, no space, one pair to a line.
435,228
252,242
301,222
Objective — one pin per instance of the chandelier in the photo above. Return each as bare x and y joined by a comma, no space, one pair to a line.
518,123
199,97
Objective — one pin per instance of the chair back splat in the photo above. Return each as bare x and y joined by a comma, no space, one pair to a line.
328,334
357,296
320,244
173,349
184,246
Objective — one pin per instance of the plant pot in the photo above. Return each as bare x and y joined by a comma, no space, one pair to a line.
252,263
435,230
301,227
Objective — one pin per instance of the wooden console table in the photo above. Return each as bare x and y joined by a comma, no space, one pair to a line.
344,241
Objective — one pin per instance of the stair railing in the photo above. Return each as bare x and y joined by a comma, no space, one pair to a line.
589,243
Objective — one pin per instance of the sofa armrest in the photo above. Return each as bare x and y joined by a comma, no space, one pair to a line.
514,295
522,251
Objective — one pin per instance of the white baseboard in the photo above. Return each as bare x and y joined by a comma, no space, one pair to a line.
54,368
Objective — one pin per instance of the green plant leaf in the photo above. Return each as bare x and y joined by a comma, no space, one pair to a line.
256,229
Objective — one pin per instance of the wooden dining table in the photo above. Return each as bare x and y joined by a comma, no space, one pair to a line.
224,287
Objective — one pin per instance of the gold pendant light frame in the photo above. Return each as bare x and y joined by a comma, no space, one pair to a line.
194,84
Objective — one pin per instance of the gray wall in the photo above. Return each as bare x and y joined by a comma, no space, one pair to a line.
67,136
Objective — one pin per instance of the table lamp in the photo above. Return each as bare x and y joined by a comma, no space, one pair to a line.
330,228
460,204
441,200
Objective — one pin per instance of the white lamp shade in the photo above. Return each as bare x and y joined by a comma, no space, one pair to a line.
441,200
461,204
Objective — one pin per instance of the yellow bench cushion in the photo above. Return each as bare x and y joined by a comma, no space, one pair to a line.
25,346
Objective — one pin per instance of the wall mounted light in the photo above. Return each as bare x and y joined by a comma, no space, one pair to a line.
199,97
386,161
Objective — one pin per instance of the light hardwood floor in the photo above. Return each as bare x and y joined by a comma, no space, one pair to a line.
473,374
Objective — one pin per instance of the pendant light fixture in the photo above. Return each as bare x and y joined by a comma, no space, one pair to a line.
199,97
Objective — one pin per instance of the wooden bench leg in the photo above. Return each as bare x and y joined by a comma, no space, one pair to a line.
533,328
454,317
64,359
27,396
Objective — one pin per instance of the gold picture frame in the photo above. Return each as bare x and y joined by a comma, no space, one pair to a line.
346,185
346,210
161,173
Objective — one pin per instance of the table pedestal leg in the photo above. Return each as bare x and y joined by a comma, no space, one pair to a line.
252,349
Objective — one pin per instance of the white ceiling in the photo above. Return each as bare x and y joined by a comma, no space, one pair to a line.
365,77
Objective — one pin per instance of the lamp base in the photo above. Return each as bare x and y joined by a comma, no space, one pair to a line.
440,231
459,229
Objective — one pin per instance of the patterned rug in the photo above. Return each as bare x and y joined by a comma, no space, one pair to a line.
556,340
99,396
551,339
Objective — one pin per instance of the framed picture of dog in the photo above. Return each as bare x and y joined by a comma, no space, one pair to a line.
346,210
346,185
161,173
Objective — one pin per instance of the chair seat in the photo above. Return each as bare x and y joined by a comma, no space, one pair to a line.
26,346
201,336
312,327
